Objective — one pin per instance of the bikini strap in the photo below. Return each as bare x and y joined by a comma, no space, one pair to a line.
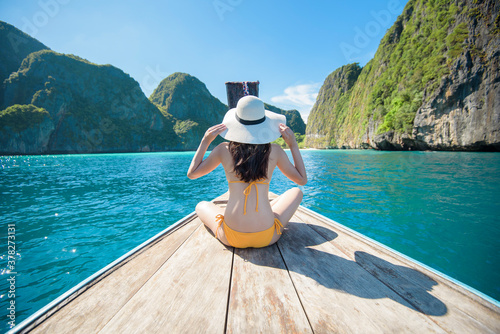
248,190
278,225
219,219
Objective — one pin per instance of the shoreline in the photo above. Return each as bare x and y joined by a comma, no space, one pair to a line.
4,154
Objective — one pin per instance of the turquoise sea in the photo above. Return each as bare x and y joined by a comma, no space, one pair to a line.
74,214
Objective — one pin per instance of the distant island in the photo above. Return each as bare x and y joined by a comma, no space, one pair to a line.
57,103
433,84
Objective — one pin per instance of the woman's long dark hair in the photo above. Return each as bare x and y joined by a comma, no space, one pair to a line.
250,160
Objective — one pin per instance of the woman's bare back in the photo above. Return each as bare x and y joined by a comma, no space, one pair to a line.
283,207
257,214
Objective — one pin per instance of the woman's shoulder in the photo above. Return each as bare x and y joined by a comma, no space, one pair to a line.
222,150
276,149
224,146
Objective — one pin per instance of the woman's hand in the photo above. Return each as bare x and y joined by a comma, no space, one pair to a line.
200,167
213,132
288,135
296,172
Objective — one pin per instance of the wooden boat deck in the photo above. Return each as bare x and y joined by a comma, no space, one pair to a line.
319,278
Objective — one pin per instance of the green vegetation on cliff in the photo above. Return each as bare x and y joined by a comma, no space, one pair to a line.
15,46
20,117
293,118
193,109
67,104
185,97
331,107
187,101
298,137
94,108
415,54
163,94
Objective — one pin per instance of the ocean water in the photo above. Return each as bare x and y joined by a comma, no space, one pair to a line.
74,214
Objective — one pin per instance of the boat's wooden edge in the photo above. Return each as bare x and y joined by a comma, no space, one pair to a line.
452,283
58,303
50,309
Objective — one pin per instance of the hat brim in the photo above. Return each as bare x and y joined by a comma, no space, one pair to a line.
261,133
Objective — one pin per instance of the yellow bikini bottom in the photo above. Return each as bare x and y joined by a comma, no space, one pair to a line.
248,239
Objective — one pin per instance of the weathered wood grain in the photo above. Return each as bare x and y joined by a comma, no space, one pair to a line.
188,294
454,308
263,299
320,277
338,295
92,309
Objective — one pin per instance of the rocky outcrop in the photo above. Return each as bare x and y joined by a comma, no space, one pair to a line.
57,103
432,84
25,128
185,97
293,118
328,111
194,109
191,105
15,46
93,108
464,112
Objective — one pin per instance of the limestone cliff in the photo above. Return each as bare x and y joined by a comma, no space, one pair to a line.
432,84
191,105
25,128
15,46
194,108
93,108
293,118
57,103
329,110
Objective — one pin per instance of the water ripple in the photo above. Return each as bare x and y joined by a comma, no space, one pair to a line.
74,214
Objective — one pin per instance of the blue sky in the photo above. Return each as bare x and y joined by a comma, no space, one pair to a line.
289,46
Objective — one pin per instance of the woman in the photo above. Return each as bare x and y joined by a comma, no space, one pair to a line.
249,219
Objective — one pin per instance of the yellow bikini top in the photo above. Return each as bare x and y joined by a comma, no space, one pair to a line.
248,190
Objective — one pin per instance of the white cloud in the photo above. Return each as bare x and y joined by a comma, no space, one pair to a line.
300,97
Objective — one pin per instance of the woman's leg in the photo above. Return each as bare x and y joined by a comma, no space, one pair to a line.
285,205
207,211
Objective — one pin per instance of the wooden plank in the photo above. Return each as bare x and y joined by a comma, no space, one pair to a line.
263,299
452,307
188,294
91,310
344,283
340,296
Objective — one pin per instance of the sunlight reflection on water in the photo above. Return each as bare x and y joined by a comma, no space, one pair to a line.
74,214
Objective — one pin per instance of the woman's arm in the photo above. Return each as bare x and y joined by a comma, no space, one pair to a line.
297,172
200,167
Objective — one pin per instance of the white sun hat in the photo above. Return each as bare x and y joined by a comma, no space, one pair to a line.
251,123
